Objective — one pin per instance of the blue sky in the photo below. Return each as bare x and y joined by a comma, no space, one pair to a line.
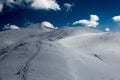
65,15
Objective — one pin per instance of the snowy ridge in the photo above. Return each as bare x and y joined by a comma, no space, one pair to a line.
34,53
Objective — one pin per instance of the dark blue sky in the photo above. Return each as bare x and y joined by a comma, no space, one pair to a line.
82,9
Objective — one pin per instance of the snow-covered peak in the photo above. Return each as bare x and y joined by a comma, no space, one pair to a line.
47,24
43,26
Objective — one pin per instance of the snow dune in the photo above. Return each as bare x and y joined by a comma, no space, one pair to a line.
36,53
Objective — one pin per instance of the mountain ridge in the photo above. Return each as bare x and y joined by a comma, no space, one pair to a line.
59,54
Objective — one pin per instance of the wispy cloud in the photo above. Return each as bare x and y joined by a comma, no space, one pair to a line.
68,7
1,5
93,22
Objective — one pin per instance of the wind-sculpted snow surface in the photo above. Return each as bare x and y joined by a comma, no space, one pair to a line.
80,53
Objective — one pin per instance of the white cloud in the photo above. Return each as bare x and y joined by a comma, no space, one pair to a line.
107,29
93,22
1,6
11,27
45,4
35,4
68,7
116,18
94,18
47,24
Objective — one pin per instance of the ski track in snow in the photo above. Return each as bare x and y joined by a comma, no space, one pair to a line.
24,70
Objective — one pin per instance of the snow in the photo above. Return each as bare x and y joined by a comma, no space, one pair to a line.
47,24
80,53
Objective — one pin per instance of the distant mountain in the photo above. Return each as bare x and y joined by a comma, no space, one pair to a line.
69,53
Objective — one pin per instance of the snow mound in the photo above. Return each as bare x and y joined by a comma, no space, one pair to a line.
47,24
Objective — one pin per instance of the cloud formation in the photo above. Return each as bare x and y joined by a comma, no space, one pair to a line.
116,18
94,18
93,22
68,7
45,4
35,4
14,3
1,6
10,27
107,29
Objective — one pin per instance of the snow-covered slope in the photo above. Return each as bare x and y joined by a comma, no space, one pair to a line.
41,53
